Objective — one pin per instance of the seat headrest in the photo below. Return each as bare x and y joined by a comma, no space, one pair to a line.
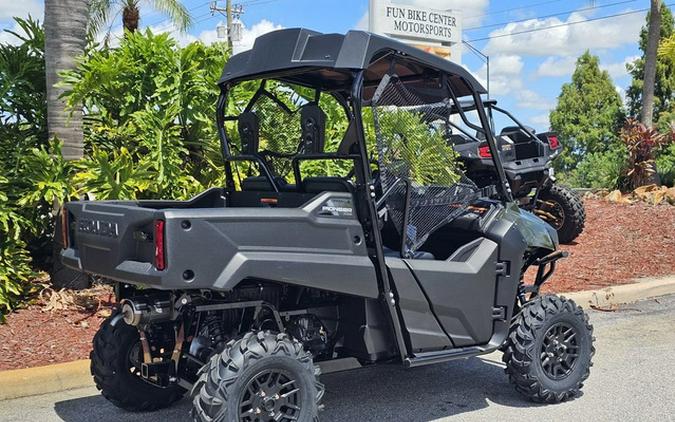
313,123
248,126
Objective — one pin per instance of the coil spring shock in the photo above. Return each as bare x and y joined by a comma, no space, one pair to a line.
215,330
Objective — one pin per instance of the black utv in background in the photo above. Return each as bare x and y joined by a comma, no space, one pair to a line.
326,248
527,159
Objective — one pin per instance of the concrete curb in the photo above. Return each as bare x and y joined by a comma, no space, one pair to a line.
625,293
44,379
66,376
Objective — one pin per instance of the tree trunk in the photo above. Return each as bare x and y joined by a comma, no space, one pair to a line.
65,38
130,17
650,63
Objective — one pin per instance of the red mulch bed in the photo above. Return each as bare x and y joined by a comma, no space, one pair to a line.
35,337
620,243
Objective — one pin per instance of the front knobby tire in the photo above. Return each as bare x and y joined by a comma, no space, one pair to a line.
263,376
549,350
568,209
114,366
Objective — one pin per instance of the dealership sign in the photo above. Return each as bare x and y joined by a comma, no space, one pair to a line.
415,23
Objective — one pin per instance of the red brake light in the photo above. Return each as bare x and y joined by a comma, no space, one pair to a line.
160,261
484,152
553,141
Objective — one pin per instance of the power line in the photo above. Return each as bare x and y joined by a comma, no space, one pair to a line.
196,20
492,25
172,26
199,6
497,12
257,2
562,25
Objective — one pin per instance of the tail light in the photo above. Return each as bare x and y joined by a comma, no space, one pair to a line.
553,141
160,259
65,229
484,152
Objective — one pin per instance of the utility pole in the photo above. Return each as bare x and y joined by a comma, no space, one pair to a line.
232,14
228,13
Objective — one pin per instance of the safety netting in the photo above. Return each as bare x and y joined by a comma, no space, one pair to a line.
420,172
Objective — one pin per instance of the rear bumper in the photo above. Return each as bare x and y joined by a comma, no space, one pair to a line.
128,271
523,175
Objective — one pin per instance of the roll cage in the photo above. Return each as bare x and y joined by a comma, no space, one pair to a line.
350,68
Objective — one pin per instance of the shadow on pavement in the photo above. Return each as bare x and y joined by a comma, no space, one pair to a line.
388,392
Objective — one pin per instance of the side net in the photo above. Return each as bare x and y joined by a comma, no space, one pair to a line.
419,169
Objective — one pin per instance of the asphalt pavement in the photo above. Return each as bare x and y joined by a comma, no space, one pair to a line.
632,380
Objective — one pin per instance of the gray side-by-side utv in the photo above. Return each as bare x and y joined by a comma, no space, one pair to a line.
527,158
362,242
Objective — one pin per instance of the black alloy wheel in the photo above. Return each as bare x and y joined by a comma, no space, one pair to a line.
271,395
559,351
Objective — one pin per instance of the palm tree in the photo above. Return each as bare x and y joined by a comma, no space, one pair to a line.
102,10
654,33
65,39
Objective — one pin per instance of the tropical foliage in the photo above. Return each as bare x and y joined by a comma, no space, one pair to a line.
641,143
103,11
23,133
409,142
667,49
149,108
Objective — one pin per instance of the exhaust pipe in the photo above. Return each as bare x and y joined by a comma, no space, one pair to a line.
143,311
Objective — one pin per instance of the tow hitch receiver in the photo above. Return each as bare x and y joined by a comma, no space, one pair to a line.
158,373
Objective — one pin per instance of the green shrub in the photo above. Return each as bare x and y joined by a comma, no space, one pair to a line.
23,128
665,165
15,268
112,175
15,274
149,108
598,170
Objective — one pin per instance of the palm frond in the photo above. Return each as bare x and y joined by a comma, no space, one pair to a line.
176,12
99,12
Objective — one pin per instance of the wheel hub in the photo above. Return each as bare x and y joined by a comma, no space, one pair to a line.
559,350
270,396
552,212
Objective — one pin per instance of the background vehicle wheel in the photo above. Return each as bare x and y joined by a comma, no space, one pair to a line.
261,377
115,365
562,208
549,349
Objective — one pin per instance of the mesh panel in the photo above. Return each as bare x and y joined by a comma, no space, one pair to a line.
413,151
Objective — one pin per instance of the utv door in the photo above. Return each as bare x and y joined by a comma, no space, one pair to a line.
461,290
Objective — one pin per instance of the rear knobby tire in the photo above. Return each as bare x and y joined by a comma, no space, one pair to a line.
525,349
111,368
226,383
574,214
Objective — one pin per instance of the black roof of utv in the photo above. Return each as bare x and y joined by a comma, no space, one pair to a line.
326,60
